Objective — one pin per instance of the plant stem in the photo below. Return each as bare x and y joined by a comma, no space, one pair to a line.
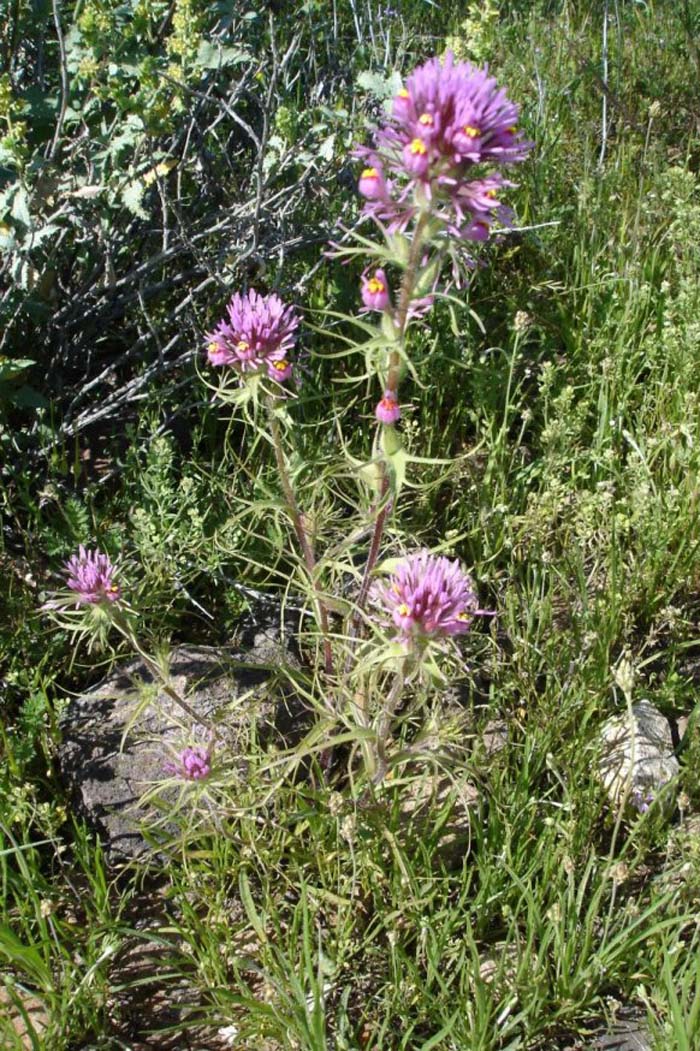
384,727
405,296
393,376
123,627
305,543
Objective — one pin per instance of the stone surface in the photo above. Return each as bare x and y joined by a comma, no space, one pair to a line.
637,759
424,794
627,1033
23,1019
117,736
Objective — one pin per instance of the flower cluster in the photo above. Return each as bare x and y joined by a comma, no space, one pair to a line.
193,764
256,338
449,117
90,576
427,596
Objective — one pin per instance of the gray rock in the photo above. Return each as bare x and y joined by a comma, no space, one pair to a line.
117,736
628,1033
637,760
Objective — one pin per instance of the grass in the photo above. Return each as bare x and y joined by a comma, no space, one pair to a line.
306,918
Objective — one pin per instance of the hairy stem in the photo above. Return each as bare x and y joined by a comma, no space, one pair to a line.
124,628
393,376
384,726
305,544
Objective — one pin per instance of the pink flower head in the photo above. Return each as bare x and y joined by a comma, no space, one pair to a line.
375,291
449,117
259,333
90,576
387,410
468,118
427,596
193,764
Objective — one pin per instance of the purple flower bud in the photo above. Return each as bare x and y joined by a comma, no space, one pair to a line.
279,370
387,410
90,576
372,184
416,155
194,764
402,105
375,291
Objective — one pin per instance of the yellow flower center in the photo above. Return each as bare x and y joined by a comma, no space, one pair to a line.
374,285
280,365
402,93
418,147
463,616
471,131
370,173
512,130
426,120
403,610
491,194
242,345
213,347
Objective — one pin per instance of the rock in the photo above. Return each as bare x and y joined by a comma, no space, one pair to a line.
494,736
629,1032
637,759
502,963
117,735
425,793
25,1017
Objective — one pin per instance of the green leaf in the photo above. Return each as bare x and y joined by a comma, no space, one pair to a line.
211,55
327,148
132,198
20,207
378,84
27,397
11,367
249,906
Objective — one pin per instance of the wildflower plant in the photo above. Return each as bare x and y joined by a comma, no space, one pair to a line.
432,185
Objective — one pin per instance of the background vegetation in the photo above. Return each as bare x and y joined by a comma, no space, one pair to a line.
154,157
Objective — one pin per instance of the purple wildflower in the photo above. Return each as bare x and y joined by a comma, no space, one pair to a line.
256,338
449,117
641,801
375,291
194,764
372,184
90,576
387,410
427,595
